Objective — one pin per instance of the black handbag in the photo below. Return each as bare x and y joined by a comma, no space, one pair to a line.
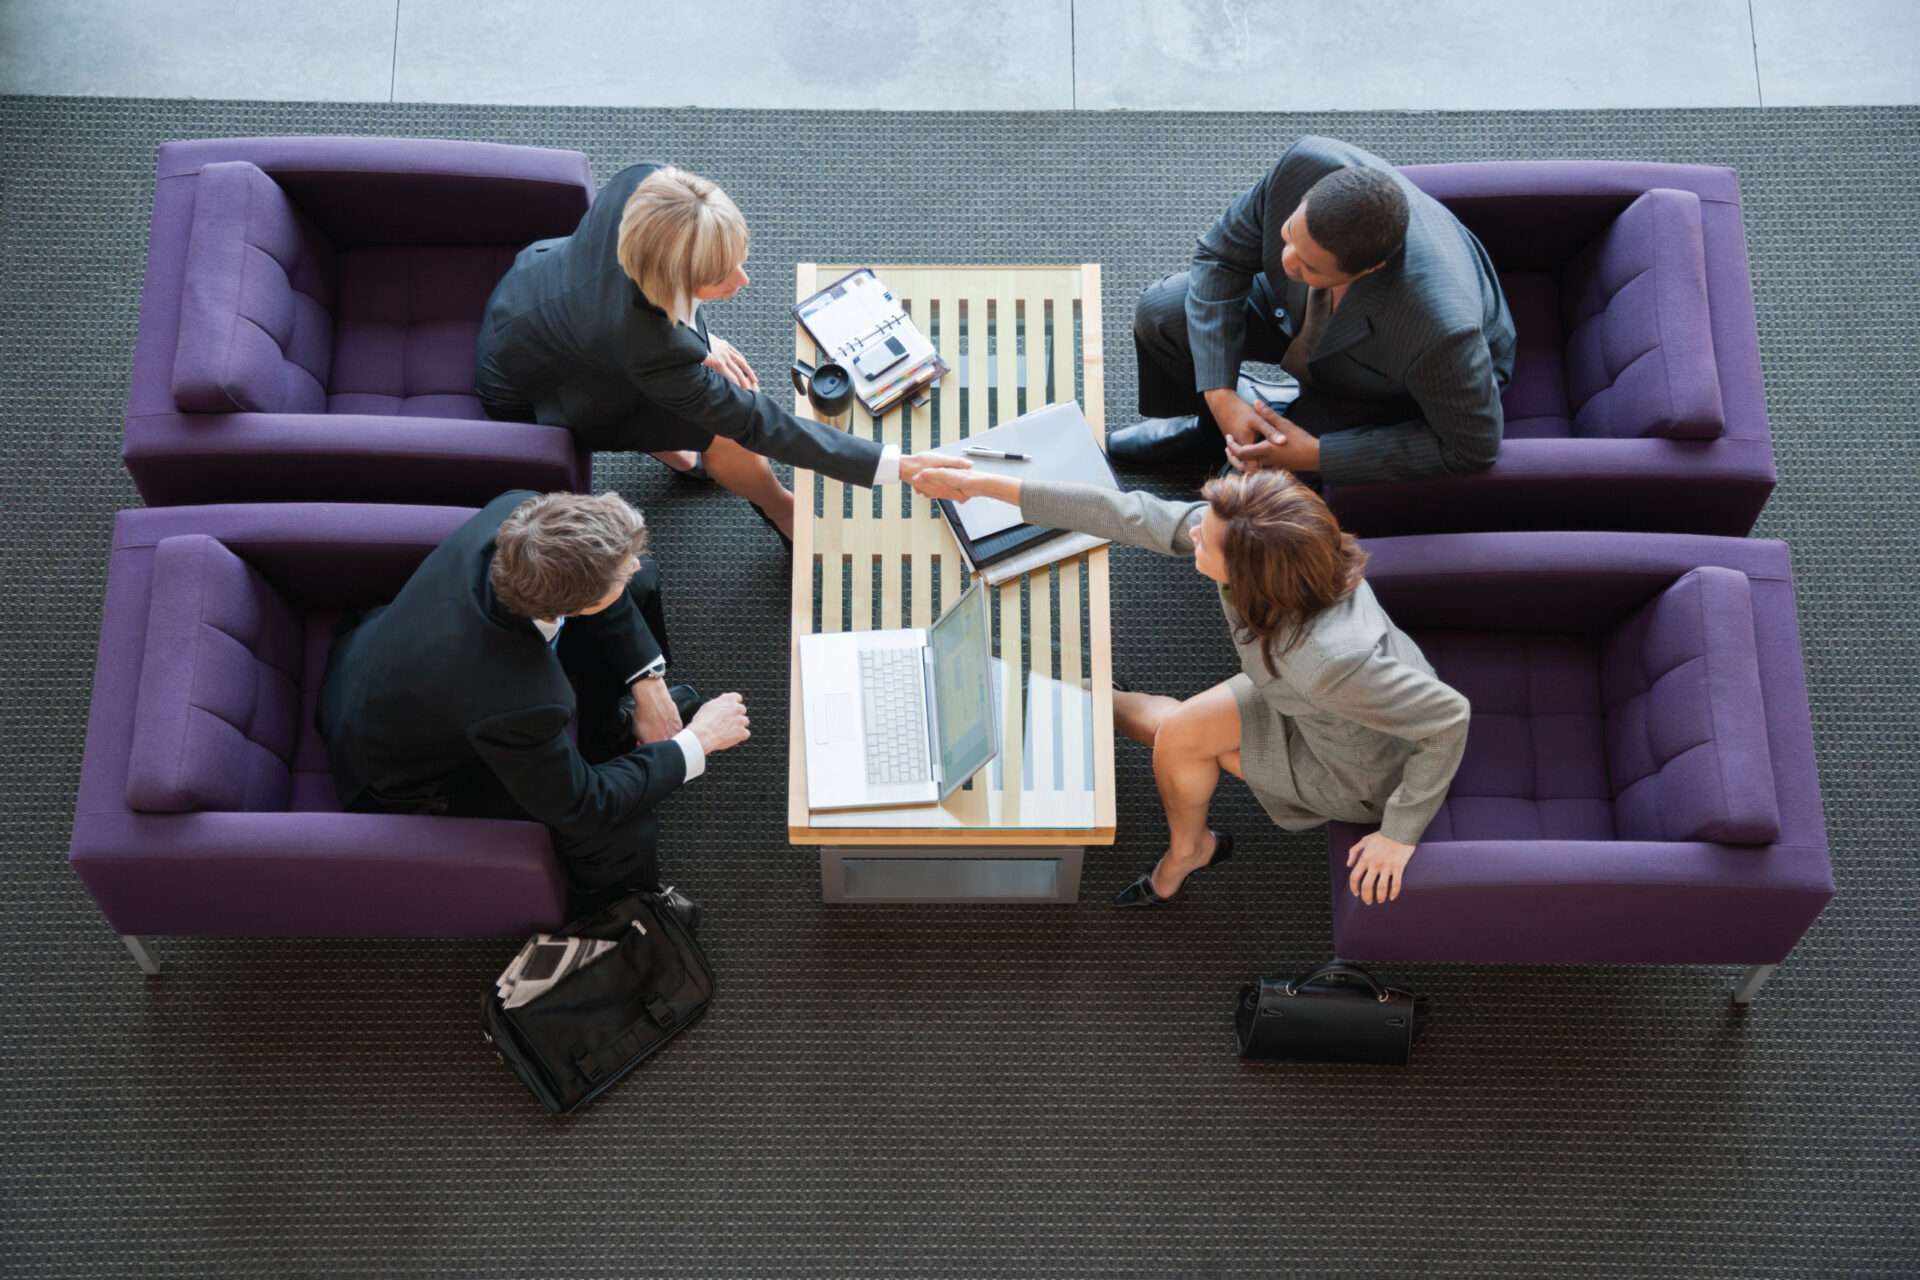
576,1041
1336,1013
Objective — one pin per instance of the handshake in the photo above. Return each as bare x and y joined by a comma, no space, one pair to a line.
936,475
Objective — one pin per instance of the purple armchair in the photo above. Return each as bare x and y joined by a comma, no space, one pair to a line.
308,323
1636,400
205,804
1639,781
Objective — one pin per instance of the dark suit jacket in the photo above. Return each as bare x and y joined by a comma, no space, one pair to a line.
445,680
1425,344
568,332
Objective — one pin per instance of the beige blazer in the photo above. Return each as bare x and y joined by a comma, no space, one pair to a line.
1354,726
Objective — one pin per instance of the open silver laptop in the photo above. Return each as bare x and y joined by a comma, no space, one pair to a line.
899,717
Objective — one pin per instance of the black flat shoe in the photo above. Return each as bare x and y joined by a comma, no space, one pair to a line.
1157,440
1140,893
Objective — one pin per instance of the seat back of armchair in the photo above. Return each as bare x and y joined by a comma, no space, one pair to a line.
1686,724
217,717
256,300
1639,340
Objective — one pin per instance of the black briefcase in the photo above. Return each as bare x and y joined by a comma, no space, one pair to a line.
601,1021
1336,1013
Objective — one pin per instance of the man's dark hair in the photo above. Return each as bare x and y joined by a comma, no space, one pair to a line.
1357,215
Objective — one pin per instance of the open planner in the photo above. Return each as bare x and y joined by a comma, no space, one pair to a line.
859,323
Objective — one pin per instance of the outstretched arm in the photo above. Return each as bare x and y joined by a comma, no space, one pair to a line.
1136,519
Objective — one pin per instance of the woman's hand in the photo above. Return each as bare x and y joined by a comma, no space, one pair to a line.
725,359
949,483
1377,864
924,469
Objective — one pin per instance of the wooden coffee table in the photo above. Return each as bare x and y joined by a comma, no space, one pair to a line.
1017,338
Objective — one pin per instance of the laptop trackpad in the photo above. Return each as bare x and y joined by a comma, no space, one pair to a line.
832,717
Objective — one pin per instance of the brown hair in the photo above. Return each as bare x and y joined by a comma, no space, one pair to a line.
678,233
1287,557
559,553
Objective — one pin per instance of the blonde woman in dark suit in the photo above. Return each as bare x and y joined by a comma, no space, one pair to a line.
602,332
1335,712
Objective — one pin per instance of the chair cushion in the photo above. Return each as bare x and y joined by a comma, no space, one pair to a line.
256,329
1535,763
215,720
1639,342
1535,402
1686,725
406,325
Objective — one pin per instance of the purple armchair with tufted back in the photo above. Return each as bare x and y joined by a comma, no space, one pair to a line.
205,804
1636,400
308,323
1639,781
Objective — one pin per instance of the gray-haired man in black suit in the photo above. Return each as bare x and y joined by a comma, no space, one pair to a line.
1368,291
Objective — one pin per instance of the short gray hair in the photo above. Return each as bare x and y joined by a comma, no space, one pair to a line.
559,553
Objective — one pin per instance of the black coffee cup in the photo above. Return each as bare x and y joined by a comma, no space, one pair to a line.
830,387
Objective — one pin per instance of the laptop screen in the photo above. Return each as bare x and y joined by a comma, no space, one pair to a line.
962,688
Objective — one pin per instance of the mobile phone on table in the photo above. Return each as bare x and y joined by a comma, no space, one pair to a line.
879,358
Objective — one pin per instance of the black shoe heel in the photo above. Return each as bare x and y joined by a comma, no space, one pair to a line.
1140,893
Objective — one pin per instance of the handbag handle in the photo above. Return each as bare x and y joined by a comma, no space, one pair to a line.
1339,968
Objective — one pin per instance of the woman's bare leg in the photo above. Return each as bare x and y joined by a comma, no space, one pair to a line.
750,475
1139,715
1195,741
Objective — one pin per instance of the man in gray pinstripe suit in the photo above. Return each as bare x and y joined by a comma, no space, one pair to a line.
1368,291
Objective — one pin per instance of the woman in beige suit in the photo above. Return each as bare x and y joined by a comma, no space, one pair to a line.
1335,712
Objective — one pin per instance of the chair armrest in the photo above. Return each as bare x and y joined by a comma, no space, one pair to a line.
1547,580
185,458
1547,180
1585,902
321,554
318,874
410,190
1683,486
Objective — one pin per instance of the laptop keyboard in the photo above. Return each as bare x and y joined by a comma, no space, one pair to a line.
896,715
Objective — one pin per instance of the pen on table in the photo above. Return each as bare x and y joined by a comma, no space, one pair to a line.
975,451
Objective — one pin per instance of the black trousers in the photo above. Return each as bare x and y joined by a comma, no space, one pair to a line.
654,431
1166,359
606,864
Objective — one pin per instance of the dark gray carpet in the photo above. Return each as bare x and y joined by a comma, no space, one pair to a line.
979,1091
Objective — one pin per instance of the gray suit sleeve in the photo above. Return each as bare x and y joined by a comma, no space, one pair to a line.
1136,519
1383,693
699,395
1225,262
1458,431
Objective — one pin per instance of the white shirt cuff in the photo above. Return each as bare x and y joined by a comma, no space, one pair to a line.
655,668
690,748
889,469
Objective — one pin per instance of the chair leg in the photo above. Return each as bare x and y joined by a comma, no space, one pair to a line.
1751,981
143,957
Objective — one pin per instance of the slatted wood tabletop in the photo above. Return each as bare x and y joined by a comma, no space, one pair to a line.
1016,338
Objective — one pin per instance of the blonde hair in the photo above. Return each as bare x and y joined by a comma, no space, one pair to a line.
678,233
559,553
